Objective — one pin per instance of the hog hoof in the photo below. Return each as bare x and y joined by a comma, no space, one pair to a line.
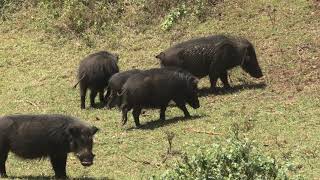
227,88
214,90
61,177
138,125
3,176
123,123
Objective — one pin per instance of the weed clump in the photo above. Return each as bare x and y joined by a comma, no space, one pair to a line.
237,160
79,17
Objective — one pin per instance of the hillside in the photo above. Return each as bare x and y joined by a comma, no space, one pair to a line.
42,44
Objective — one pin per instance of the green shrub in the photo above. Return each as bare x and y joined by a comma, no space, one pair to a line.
9,7
201,9
80,16
236,161
173,17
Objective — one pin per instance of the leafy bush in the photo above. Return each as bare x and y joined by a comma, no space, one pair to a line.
236,161
201,9
9,7
173,16
79,16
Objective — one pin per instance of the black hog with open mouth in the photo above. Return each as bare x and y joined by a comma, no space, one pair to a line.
39,136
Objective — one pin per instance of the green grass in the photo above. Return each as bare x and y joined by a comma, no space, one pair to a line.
38,70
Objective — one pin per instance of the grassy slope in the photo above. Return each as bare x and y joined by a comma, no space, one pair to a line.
38,71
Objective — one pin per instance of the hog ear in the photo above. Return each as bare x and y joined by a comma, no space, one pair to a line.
194,80
117,57
160,56
74,131
94,130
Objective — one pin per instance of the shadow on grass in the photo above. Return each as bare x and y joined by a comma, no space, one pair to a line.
222,91
52,177
97,105
159,123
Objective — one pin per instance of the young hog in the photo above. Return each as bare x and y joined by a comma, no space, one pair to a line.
53,136
94,73
154,88
213,56
115,85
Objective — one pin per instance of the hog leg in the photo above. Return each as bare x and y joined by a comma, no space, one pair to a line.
136,113
163,113
182,105
213,81
93,95
83,92
124,115
113,100
107,97
109,100
101,98
3,158
110,103
118,101
58,162
224,79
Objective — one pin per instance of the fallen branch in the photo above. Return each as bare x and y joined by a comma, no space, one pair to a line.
31,103
168,155
138,161
203,132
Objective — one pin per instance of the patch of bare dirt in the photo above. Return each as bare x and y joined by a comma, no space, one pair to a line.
304,71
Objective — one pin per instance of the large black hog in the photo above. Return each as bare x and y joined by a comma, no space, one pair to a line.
53,136
115,85
213,56
154,88
94,73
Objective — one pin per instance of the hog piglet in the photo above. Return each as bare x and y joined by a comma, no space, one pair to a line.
115,85
213,56
39,136
154,88
94,73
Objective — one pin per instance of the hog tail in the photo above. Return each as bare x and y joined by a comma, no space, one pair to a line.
74,86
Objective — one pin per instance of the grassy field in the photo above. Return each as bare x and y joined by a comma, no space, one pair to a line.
38,70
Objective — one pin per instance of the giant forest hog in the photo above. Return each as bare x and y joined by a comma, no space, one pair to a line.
94,73
115,85
53,136
154,88
213,56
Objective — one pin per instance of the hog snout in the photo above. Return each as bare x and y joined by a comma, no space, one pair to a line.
86,163
86,159
257,74
195,105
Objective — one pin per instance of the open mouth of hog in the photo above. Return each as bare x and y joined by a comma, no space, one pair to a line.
86,163
86,160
